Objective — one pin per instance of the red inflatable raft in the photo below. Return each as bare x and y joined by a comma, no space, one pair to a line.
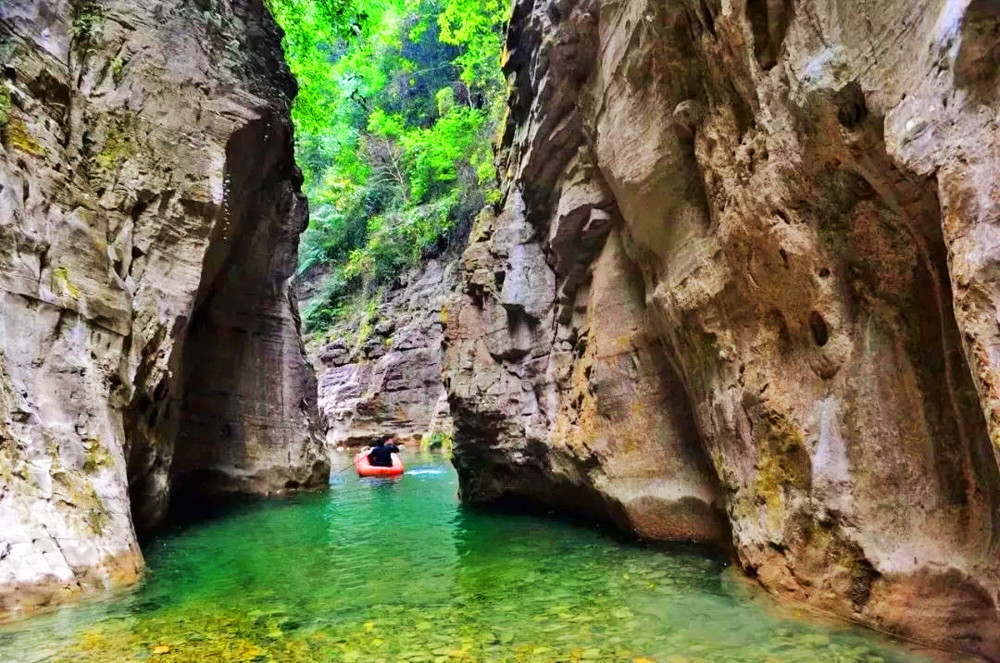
366,469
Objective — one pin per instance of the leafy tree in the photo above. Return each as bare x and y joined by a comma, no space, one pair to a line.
472,24
398,103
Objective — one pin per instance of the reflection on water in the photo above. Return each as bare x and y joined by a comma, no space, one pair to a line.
397,570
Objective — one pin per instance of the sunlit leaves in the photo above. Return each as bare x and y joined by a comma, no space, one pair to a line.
397,105
476,26
435,153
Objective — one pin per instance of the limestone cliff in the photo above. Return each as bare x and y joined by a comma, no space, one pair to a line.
743,289
385,378
149,219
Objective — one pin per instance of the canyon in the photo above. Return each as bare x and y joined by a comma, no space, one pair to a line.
740,289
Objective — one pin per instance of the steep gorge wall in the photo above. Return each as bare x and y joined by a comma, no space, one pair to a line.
389,382
742,289
149,219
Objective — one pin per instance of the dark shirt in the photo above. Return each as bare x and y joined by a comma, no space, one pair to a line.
381,455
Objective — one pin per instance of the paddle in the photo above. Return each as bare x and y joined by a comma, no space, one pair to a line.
344,469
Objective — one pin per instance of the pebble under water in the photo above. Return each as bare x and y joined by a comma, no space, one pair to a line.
381,570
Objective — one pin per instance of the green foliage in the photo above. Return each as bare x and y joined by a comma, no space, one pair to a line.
332,302
398,103
117,70
369,314
4,106
472,24
315,34
437,441
88,19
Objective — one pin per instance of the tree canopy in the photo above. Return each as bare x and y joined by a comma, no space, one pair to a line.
397,108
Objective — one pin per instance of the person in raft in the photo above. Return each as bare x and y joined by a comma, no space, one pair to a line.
381,454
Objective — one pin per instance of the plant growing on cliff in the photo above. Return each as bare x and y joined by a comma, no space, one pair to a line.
87,20
117,69
437,441
398,103
4,106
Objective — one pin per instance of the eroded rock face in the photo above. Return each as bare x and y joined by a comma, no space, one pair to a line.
149,218
745,266
390,383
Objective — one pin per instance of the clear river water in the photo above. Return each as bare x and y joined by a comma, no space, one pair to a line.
382,570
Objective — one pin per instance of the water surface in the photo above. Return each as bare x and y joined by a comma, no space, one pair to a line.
381,570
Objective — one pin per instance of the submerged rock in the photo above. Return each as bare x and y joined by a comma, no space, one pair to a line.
149,218
740,290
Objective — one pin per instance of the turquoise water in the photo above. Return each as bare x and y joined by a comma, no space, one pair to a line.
383,570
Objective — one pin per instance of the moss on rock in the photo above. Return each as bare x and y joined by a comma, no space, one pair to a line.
60,281
96,456
119,145
4,106
782,463
17,136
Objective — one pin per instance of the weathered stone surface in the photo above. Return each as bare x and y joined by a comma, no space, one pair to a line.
390,383
149,217
795,307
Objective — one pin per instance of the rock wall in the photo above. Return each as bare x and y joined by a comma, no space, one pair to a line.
743,289
389,383
149,219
